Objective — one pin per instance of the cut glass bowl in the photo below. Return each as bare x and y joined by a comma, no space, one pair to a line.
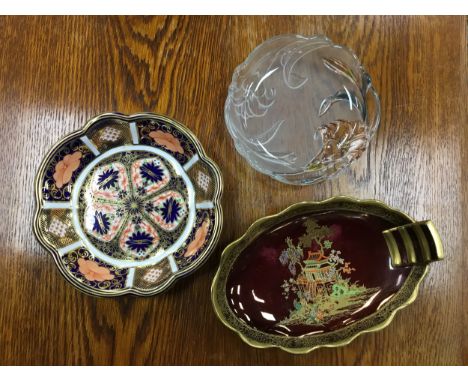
300,109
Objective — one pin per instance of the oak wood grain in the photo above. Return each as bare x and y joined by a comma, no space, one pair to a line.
57,72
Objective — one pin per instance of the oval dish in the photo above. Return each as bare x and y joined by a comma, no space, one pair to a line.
321,273
128,204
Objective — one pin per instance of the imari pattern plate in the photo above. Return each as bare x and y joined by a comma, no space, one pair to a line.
128,204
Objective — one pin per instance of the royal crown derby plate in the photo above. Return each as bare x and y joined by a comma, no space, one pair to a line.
128,204
321,273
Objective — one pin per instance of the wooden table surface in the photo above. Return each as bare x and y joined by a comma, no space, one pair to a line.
57,72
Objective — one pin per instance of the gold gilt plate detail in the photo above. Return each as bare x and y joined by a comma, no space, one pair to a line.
128,204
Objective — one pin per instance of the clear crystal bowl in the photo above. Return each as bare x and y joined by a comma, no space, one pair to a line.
300,109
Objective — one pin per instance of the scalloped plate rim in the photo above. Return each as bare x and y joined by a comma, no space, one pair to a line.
174,277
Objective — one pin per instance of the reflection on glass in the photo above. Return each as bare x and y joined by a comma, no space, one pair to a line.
256,298
268,316
368,302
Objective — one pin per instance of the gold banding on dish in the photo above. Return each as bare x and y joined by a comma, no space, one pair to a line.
128,204
319,274
421,243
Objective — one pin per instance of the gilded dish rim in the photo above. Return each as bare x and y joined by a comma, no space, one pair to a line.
203,257
218,287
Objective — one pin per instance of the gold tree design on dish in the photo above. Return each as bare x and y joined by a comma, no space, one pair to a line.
320,290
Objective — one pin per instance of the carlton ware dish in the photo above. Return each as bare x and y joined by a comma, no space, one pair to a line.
300,109
128,204
321,273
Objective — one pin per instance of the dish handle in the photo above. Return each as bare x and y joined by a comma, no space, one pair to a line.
414,244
